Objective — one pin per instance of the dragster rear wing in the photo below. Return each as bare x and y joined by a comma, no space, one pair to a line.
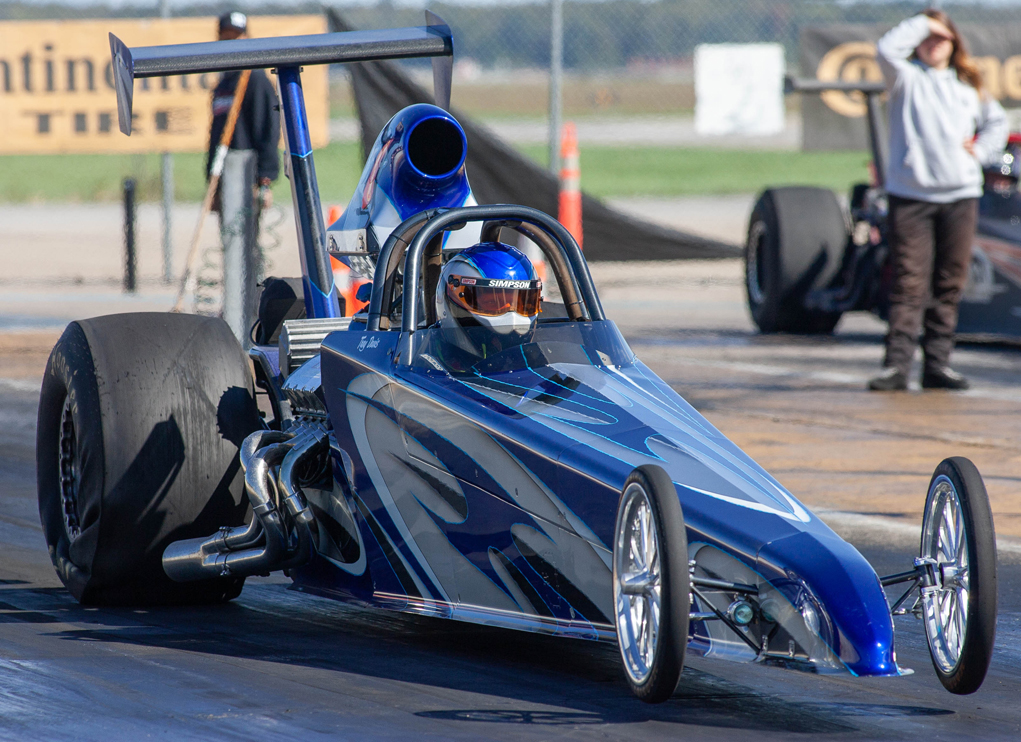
287,55
805,85
877,140
433,40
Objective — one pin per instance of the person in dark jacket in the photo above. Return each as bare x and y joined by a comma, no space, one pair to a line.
258,124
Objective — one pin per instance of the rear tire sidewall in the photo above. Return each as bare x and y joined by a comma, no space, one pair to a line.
980,633
675,601
762,266
70,374
160,404
789,229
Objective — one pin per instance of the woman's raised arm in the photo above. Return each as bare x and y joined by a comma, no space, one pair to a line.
899,43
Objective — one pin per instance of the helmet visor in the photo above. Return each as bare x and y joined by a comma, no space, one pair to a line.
492,297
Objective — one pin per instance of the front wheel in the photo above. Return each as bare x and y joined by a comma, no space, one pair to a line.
959,611
651,592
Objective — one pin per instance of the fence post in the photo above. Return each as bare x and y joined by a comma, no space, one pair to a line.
556,78
167,172
238,231
129,235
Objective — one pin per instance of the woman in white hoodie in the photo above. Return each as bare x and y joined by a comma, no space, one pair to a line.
943,129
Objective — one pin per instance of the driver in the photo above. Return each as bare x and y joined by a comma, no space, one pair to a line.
487,301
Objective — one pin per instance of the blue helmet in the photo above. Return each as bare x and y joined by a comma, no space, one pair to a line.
492,285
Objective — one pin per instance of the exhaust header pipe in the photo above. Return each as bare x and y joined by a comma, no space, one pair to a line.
267,543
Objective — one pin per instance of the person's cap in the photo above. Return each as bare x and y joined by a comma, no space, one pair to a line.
233,21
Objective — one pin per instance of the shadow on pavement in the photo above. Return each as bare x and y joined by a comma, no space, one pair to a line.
271,624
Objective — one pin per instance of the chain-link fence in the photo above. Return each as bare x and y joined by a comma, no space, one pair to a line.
628,34
625,61
620,56
626,57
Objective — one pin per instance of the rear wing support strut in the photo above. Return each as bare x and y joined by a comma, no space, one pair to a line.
287,55
871,90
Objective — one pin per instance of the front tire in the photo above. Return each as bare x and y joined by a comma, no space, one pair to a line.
796,241
651,591
960,610
140,421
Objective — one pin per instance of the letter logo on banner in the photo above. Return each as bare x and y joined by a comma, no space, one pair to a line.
1011,77
847,52
849,62
57,87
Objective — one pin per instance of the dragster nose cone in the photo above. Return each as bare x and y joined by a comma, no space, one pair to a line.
860,628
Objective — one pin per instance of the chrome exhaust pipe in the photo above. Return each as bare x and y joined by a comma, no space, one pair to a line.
233,539
311,442
264,544
261,488
314,441
219,555
257,440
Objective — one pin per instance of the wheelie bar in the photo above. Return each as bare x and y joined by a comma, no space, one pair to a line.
280,534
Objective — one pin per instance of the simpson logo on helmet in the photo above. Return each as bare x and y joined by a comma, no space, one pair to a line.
492,297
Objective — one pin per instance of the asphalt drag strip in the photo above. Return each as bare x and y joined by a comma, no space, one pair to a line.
277,664
799,407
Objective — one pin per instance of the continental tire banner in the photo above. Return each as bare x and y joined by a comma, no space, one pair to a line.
57,94
834,120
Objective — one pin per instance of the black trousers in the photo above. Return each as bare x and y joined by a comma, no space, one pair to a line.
931,253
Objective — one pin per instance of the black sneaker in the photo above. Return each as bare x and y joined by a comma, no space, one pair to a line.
891,380
943,377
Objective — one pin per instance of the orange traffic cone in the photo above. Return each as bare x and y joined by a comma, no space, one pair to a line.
333,215
570,182
346,282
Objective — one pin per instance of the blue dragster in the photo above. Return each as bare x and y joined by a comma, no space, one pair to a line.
541,479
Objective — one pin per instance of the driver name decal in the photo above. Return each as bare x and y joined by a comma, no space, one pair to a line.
368,342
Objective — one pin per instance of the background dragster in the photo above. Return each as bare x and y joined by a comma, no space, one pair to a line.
807,261
553,484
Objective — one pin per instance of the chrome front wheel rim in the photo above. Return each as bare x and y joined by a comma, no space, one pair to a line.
637,583
945,605
69,472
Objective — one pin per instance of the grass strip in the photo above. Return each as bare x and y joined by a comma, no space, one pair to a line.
690,171
605,171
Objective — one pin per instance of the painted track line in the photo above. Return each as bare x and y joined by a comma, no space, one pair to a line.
21,385
828,377
895,531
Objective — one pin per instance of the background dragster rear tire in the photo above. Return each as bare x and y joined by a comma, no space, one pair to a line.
140,421
796,242
651,672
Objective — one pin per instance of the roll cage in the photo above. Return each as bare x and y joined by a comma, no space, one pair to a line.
412,257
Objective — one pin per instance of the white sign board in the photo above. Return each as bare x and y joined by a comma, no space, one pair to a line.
739,89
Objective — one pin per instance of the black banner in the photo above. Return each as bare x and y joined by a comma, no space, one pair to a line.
835,120
499,174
